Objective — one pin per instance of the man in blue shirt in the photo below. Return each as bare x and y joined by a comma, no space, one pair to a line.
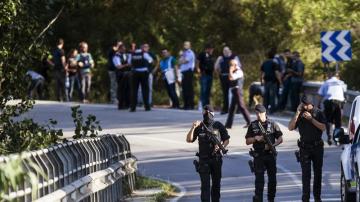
187,66
140,62
168,70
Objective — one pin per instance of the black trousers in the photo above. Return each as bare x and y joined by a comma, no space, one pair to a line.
262,163
225,85
210,171
270,95
237,101
295,89
171,90
187,85
332,111
124,89
314,155
284,96
140,78
60,84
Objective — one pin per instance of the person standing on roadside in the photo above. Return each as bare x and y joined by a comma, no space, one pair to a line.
296,80
222,67
73,74
121,61
146,49
206,69
59,63
168,70
310,122
236,81
281,105
140,62
187,66
112,72
271,79
86,63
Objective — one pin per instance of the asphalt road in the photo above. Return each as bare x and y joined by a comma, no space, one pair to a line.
157,139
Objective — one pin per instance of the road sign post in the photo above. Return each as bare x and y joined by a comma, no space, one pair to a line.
336,47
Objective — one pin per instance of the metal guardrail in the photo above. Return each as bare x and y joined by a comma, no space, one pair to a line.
311,89
91,169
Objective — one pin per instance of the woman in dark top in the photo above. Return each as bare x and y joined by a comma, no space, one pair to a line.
72,71
236,77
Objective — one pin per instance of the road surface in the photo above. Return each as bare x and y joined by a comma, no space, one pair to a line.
157,139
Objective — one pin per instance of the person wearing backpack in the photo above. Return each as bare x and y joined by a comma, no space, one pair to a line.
86,63
270,78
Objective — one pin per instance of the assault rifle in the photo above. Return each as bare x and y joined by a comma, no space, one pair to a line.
214,140
265,134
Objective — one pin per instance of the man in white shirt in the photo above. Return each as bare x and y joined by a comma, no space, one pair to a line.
332,94
187,66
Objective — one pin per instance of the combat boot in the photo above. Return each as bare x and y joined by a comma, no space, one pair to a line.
257,199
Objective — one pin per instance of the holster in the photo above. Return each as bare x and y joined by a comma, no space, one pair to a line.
197,165
297,155
303,145
251,165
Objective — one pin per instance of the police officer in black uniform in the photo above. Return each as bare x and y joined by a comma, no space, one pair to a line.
141,62
210,156
310,122
264,158
123,76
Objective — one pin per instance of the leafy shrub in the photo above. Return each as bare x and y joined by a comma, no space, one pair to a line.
90,128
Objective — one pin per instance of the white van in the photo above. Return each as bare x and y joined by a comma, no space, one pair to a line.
350,157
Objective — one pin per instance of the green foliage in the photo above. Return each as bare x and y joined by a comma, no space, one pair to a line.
168,190
13,174
25,135
90,128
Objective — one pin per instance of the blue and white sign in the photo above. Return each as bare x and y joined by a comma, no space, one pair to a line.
336,46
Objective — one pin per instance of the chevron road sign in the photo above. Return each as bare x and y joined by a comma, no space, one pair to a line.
336,46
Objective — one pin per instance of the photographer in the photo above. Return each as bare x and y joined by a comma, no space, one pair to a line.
210,156
311,123
264,156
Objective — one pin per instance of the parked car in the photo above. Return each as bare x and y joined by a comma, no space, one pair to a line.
350,157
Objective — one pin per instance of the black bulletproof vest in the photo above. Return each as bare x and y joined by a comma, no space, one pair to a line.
138,60
206,147
268,127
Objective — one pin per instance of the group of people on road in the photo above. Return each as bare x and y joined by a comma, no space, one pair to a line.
69,72
125,67
282,76
265,135
131,74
